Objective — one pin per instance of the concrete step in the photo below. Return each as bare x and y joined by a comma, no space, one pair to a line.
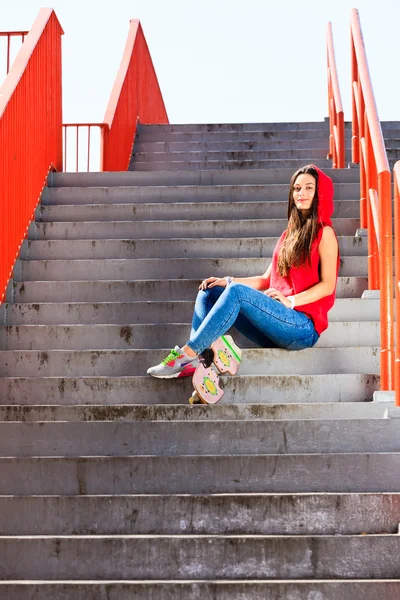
199,557
299,154
140,290
155,268
79,313
213,474
98,337
174,412
207,590
130,313
180,210
114,363
243,247
239,145
262,135
267,127
142,390
201,438
131,229
295,163
260,143
263,473
221,514
190,155
146,137
219,127
193,178
183,193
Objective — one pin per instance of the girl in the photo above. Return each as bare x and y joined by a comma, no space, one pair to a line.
287,306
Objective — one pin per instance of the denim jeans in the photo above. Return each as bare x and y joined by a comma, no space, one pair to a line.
263,320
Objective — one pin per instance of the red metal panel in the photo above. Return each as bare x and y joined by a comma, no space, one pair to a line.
136,96
31,131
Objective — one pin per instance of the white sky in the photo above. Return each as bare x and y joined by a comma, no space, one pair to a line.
221,60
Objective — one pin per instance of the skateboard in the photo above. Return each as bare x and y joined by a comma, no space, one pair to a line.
224,356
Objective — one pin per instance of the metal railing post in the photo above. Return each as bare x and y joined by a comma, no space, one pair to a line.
396,182
335,109
368,148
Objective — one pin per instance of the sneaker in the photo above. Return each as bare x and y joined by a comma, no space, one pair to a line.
176,364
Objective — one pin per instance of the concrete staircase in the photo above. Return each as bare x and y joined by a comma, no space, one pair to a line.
245,146
111,485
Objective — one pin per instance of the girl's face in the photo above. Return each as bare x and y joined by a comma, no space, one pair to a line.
304,192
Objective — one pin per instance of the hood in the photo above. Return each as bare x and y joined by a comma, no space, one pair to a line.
325,198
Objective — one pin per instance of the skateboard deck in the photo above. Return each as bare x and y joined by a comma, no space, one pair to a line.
206,385
225,355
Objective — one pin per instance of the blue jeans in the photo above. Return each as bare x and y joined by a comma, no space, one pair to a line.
263,320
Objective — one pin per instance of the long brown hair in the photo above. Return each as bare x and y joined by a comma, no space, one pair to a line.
301,230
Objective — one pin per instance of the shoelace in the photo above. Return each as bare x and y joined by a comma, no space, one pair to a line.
171,356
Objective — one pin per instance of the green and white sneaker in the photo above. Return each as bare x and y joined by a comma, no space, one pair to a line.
176,364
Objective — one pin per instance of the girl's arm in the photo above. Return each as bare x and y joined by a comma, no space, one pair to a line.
258,282
328,253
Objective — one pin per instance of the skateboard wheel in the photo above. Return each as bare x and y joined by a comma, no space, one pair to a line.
195,399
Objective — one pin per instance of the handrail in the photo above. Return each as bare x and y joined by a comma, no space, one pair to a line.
396,180
77,126
9,35
336,114
368,149
30,130
135,96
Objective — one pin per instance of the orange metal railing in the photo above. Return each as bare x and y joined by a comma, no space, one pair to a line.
396,178
31,133
368,149
135,97
336,114
9,35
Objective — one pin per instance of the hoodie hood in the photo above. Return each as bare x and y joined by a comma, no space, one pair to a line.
325,198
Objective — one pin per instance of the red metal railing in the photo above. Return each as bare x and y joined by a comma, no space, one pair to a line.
31,133
368,149
396,179
336,115
135,96
77,127
9,35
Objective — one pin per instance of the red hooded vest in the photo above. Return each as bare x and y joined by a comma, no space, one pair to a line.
303,277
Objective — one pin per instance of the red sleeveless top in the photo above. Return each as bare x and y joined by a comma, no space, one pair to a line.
302,278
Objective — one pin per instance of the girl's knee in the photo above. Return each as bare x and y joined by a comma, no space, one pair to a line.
215,291
209,295
236,288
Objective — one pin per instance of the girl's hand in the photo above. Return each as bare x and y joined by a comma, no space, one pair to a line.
212,282
273,293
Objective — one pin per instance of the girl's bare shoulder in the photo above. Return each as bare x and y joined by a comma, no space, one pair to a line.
328,233
328,238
